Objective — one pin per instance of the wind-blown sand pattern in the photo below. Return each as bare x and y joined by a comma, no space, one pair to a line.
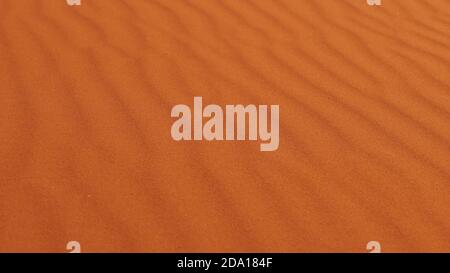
85,146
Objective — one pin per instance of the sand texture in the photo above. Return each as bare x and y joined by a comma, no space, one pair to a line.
85,147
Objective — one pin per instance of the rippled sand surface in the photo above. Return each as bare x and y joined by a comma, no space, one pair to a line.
85,146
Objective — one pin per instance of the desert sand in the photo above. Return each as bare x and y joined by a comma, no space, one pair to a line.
85,147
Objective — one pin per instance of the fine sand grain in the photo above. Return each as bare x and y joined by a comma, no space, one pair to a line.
85,146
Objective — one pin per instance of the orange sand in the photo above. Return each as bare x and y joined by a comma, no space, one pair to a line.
85,146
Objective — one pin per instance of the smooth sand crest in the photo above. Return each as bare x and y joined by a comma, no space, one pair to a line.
85,146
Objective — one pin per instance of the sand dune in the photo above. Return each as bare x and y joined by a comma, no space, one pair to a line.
85,146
